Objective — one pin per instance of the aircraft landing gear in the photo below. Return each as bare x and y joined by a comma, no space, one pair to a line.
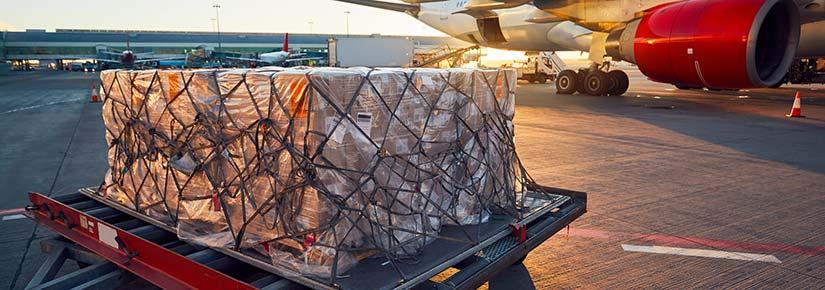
619,83
597,80
567,82
595,83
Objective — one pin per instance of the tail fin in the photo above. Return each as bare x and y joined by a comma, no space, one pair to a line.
286,42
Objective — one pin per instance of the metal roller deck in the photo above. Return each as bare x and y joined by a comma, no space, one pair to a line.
151,250
140,248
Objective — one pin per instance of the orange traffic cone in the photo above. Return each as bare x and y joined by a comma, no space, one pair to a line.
796,110
94,93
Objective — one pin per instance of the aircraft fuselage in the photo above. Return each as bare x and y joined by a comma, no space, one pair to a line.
524,29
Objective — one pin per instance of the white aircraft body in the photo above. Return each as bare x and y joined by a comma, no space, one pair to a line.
717,44
282,57
129,58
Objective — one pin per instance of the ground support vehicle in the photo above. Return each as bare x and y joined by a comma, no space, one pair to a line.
540,68
805,71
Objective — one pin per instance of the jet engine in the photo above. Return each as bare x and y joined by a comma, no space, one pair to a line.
128,57
720,44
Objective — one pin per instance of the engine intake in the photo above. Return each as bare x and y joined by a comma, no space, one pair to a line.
724,44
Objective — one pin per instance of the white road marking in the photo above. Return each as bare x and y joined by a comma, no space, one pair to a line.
702,253
13,217
38,106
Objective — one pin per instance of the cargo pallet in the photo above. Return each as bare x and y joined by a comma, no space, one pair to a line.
113,243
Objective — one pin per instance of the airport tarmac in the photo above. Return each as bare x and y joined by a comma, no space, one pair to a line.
687,189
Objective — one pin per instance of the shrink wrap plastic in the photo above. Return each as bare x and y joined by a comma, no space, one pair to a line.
316,168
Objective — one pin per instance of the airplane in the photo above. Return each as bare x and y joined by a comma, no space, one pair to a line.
713,44
279,58
128,58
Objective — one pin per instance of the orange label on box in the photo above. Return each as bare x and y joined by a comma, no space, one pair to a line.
297,97
174,86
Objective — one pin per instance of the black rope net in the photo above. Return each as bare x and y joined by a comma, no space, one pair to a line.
316,168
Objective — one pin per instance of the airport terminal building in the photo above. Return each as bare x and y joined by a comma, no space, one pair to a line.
76,44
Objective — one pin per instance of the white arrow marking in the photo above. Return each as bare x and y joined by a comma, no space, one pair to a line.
13,217
702,253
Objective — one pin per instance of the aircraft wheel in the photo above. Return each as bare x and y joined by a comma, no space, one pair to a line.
566,82
580,81
596,83
619,83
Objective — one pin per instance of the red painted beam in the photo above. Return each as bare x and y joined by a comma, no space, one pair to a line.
150,261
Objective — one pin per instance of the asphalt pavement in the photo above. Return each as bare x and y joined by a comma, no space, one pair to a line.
687,189
51,142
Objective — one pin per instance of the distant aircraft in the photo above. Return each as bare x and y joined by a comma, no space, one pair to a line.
128,58
279,58
714,44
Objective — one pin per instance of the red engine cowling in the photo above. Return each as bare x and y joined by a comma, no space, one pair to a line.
723,44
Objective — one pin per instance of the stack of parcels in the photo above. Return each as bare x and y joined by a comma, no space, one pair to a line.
316,168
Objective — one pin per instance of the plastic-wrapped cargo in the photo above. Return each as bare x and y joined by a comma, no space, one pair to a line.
317,168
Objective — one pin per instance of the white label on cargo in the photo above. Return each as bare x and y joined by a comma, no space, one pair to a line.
364,121
107,235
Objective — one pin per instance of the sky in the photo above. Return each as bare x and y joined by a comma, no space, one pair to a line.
274,16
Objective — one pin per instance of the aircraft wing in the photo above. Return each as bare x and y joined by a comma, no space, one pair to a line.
406,8
302,59
245,59
159,59
107,60
110,52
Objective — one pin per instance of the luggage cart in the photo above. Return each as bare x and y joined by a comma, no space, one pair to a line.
116,242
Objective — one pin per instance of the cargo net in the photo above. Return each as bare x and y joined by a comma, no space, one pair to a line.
314,168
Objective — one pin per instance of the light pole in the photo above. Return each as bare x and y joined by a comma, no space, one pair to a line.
213,24
310,27
347,13
218,24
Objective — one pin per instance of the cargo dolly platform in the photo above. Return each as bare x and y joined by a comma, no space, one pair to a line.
108,236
